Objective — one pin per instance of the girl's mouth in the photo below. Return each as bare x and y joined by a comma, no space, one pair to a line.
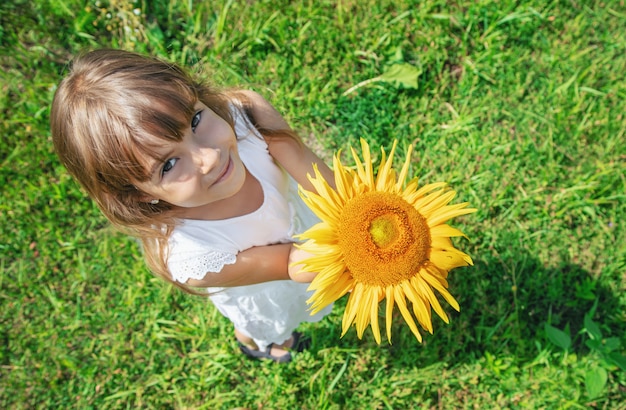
226,172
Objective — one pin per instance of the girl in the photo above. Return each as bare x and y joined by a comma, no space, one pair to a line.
205,178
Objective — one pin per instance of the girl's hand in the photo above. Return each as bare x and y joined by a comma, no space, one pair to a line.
295,269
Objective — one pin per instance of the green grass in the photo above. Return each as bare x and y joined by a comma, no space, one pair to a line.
519,105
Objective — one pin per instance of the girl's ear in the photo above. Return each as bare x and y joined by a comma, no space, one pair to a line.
145,197
149,199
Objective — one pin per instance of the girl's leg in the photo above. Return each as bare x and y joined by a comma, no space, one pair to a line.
245,340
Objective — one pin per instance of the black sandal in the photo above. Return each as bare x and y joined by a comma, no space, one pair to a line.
300,342
264,354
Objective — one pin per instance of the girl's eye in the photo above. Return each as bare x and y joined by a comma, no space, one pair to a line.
195,120
169,164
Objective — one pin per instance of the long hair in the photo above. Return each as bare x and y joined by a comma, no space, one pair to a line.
107,113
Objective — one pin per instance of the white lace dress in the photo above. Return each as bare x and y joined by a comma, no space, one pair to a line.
267,312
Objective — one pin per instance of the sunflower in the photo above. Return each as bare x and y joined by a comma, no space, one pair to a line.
380,238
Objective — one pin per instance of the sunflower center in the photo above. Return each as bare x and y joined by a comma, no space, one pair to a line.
383,238
384,230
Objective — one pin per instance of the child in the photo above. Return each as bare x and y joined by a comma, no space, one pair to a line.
205,178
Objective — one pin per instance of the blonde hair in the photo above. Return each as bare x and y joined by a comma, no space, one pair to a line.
107,114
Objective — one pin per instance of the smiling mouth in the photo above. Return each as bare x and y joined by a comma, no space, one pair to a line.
226,172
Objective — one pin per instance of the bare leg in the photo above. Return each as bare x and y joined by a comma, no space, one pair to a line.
245,340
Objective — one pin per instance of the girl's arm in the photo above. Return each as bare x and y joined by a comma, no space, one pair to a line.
257,265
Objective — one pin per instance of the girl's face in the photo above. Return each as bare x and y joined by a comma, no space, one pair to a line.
200,170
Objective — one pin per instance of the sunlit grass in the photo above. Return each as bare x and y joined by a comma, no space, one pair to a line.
519,105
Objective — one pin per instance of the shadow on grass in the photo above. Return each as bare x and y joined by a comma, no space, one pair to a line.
504,306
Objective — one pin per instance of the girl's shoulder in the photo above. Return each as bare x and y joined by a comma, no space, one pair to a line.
258,111
242,111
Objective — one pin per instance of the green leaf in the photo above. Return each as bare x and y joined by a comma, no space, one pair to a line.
595,381
400,74
558,337
611,344
618,360
404,74
592,328
594,345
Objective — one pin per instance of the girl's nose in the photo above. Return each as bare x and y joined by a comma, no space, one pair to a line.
206,159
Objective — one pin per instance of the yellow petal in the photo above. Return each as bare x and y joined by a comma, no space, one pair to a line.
385,171
352,307
405,170
321,207
322,232
440,242
439,201
440,285
447,260
427,188
450,212
319,300
420,309
363,314
399,298
374,313
389,311
430,296
410,190
445,230
326,277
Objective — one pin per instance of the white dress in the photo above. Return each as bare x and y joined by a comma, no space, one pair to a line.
267,312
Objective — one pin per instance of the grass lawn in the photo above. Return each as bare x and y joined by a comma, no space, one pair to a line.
519,105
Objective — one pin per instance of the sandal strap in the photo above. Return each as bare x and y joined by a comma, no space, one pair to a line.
264,354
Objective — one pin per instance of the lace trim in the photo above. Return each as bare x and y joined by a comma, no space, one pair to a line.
198,266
